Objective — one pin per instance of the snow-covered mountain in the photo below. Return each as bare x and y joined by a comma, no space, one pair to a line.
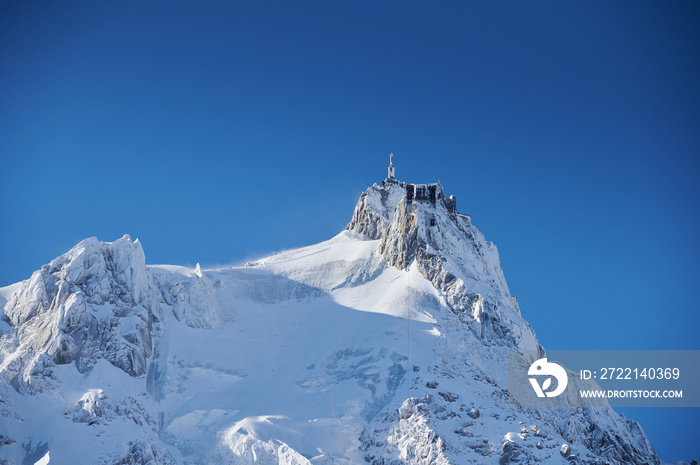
386,344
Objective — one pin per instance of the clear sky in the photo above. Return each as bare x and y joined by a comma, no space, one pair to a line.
215,132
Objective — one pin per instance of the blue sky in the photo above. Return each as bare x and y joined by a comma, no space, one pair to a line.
214,132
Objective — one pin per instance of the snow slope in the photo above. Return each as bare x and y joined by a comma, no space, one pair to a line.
385,344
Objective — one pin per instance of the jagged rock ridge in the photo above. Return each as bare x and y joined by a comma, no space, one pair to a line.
96,301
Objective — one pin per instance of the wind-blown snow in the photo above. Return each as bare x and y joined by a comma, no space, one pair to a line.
385,344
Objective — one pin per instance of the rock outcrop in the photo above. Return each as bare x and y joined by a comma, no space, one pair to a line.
95,302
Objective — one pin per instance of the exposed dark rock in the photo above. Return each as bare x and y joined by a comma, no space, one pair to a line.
449,396
565,450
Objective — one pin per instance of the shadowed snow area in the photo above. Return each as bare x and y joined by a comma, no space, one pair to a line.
386,344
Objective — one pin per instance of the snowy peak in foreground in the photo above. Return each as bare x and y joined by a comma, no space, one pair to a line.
95,302
386,344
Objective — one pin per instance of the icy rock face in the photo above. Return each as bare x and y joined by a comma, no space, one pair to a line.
415,440
375,210
96,301
92,408
450,252
95,407
192,298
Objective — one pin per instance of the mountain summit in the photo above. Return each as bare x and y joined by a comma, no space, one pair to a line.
417,225
386,344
